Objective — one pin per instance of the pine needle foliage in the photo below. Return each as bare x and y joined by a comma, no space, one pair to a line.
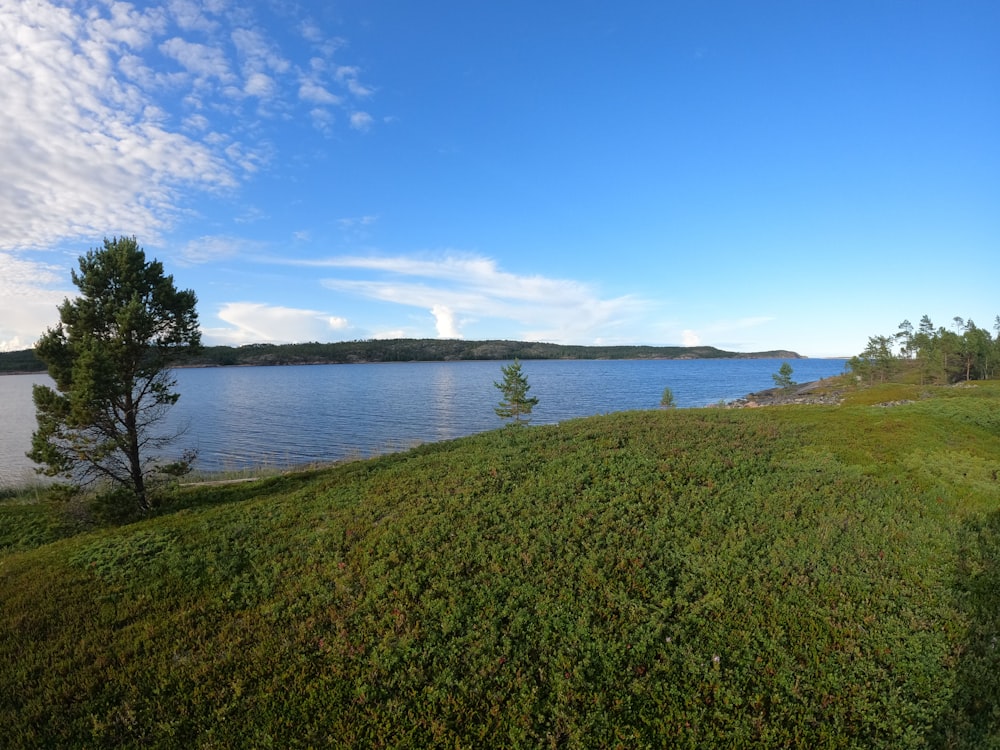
516,403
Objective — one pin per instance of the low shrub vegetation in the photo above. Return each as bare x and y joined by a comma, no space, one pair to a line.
798,576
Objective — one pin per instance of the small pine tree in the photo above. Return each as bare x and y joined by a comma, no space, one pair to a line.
516,403
783,377
667,399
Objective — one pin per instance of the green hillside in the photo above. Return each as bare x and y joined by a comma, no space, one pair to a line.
798,576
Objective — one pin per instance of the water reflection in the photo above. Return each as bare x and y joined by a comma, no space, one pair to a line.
445,394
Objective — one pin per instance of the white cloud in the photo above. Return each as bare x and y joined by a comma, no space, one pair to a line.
82,152
258,52
203,61
322,119
348,75
690,338
361,120
251,322
196,122
189,15
469,288
260,85
357,89
311,32
444,321
115,115
119,117
260,63
311,91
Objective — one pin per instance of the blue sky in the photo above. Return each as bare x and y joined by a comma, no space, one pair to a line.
746,175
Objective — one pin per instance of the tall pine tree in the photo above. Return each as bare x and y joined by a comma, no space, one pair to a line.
109,357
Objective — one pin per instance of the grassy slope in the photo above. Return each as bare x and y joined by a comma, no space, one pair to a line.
793,576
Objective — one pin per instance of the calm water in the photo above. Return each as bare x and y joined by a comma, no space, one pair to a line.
250,416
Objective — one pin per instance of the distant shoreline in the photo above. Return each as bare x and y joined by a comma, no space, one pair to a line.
24,362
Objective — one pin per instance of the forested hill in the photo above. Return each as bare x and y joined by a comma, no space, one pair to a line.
415,350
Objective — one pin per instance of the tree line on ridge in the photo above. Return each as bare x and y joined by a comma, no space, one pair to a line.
935,354
411,350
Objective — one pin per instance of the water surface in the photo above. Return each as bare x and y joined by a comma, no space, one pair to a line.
239,417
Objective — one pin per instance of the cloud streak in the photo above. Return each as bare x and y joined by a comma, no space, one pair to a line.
251,322
468,291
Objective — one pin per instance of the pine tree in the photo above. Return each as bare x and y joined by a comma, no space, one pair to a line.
667,399
783,378
109,358
516,403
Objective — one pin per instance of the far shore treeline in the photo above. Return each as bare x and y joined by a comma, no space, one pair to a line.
413,350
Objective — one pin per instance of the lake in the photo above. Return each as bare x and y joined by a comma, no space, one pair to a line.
240,417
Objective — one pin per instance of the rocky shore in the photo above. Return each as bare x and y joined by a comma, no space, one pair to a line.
816,392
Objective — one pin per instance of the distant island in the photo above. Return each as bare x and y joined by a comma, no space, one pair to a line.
412,350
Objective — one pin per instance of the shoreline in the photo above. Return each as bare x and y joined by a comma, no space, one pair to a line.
24,361
801,393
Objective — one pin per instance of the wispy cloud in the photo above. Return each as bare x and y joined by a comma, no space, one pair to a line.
348,75
468,291
313,92
250,322
211,248
191,15
720,330
361,120
200,60
356,222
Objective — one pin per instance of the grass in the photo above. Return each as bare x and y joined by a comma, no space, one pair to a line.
796,576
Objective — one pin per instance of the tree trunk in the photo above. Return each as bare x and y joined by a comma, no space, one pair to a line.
134,459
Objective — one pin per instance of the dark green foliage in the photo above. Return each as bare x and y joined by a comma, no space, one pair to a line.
24,360
975,713
934,355
818,577
32,518
876,363
516,404
415,350
783,377
109,356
